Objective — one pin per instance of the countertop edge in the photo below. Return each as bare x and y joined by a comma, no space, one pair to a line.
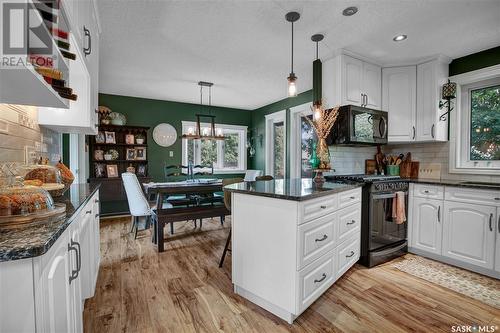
42,249
295,198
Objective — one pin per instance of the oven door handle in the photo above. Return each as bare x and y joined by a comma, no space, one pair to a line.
384,196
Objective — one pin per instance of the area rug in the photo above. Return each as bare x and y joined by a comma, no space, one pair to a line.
480,287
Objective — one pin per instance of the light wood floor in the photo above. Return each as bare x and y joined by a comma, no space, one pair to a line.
183,290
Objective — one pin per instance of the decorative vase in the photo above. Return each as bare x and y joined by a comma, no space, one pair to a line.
314,160
323,154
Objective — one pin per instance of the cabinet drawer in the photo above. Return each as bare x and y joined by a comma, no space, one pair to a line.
315,279
348,254
428,191
349,222
316,238
350,197
471,195
315,208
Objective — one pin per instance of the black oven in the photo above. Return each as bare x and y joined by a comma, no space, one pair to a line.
356,125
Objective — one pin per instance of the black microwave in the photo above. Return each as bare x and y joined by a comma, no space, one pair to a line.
356,125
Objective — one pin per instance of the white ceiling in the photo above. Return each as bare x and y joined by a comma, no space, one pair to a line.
161,49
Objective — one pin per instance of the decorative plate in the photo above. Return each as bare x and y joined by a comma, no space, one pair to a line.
164,135
114,154
117,119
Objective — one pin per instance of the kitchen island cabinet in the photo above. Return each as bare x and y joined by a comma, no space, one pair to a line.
291,240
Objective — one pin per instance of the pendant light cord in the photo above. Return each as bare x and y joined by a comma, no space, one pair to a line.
317,48
292,49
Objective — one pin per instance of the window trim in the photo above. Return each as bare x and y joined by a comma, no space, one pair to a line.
271,119
296,113
460,123
242,153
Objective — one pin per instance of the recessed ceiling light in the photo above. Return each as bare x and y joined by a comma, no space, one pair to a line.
350,11
399,38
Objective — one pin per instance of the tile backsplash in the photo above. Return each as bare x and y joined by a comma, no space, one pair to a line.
21,137
351,160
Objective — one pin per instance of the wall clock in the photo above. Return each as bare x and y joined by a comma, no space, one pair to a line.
164,135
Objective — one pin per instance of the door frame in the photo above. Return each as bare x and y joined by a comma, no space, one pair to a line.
271,119
295,137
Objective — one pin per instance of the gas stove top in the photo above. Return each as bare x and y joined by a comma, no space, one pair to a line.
366,178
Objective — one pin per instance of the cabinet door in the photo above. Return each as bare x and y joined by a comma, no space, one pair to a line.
469,233
352,74
87,248
97,238
427,99
427,226
76,284
497,248
399,90
372,85
54,291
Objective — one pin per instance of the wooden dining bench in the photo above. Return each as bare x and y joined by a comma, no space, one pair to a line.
177,214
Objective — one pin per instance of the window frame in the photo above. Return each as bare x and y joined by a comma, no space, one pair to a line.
461,122
226,129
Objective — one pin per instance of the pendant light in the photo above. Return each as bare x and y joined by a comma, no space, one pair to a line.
203,133
292,79
317,77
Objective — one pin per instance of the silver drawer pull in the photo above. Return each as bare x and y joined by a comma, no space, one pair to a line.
96,215
352,198
322,278
323,207
352,222
321,239
498,199
350,254
426,191
88,212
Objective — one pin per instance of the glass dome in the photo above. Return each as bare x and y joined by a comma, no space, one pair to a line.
44,176
22,200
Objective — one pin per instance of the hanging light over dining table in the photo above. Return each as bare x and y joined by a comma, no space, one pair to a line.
199,132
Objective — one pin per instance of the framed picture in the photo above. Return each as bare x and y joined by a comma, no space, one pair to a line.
130,154
142,170
98,155
100,137
140,153
112,170
129,139
100,170
110,137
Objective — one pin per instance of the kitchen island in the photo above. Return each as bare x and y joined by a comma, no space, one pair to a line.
291,240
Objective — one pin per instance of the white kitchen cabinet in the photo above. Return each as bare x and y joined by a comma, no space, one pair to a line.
347,80
497,242
44,293
430,78
427,220
399,91
306,246
469,233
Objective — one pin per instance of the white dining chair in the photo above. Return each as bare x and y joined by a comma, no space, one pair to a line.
250,175
137,202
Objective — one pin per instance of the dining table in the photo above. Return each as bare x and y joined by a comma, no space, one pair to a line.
169,214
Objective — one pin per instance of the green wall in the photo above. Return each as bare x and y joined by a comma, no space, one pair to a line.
259,126
475,61
150,112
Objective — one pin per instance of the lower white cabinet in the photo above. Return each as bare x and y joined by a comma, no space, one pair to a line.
58,281
427,225
287,253
469,233
462,228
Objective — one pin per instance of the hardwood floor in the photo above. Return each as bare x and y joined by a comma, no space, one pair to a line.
183,290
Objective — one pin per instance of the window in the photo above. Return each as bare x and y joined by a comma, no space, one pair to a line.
228,155
475,136
276,145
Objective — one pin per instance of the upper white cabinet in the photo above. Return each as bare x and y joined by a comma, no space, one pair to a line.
430,78
347,80
411,95
83,74
399,93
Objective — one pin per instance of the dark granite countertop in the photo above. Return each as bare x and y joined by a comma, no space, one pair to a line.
291,189
33,240
457,183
